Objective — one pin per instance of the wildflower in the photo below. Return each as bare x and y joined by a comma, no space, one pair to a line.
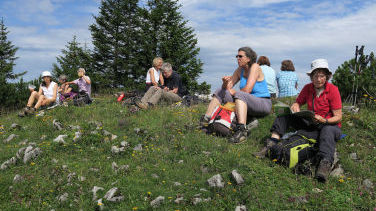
341,180
275,160
163,169
149,193
229,183
163,182
169,197
135,208
234,190
365,95
32,163
100,203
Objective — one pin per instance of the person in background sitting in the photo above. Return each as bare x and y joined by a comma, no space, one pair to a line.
172,92
287,80
269,74
64,89
154,76
47,95
83,82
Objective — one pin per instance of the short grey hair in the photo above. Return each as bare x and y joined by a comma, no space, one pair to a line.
166,67
63,78
81,69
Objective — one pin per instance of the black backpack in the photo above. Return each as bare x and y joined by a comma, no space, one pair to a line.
294,150
81,99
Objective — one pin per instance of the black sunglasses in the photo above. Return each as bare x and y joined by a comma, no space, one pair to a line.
239,56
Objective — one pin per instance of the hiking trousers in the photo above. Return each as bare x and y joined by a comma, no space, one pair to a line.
327,135
256,106
154,95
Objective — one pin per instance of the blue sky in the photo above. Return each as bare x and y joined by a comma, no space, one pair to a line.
280,29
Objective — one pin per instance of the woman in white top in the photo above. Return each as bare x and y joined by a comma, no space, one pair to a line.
154,75
46,95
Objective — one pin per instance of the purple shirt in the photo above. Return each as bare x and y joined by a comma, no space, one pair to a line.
83,86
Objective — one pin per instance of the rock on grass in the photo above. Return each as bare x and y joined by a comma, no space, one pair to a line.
157,201
113,195
216,181
237,177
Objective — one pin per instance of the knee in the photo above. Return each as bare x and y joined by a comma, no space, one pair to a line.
33,93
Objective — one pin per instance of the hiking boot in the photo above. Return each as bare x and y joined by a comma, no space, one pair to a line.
204,121
22,113
30,111
270,142
142,105
323,170
240,134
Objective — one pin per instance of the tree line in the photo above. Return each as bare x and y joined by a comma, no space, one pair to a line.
126,35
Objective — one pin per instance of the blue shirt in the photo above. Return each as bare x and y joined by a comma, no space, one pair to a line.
260,89
269,75
286,83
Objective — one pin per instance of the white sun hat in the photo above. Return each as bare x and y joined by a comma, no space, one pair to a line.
46,73
319,63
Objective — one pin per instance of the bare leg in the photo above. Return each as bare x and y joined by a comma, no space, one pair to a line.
40,100
33,96
213,103
241,111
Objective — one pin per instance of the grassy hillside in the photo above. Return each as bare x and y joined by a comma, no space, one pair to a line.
176,160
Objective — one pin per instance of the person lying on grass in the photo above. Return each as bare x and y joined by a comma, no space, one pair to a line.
172,92
323,98
46,96
252,99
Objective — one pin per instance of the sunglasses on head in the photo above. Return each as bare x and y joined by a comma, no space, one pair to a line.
239,56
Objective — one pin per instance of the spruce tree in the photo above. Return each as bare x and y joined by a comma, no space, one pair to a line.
73,57
7,62
170,38
116,36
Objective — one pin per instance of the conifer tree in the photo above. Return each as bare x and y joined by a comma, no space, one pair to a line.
7,62
169,37
115,37
73,57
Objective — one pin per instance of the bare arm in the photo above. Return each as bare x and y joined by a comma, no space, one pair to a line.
252,78
86,79
230,81
152,78
337,117
161,78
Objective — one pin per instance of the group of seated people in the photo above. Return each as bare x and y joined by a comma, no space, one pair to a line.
254,100
286,80
50,93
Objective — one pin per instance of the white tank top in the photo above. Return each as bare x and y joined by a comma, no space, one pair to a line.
49,92
156,75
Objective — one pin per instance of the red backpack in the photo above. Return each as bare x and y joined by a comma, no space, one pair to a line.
223,120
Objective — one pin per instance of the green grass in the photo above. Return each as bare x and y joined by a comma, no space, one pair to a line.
171,136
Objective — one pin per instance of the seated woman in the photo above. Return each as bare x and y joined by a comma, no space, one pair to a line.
287,79
252,99
154,75
64,89
323,98
47,95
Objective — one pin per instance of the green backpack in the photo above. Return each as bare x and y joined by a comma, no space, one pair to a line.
296,149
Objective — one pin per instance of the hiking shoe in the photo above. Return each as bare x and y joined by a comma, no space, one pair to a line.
240,134
323,170
22,113
30,111
204,121
142,105
269,142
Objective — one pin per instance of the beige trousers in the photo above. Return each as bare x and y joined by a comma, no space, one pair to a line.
154,95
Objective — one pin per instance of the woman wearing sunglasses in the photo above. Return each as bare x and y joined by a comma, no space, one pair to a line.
253,98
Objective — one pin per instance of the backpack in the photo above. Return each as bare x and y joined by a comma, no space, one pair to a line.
81,99
294,150
223,120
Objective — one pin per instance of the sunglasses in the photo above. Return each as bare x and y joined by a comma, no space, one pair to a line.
239,56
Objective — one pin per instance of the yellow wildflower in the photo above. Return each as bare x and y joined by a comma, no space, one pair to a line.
149,193
275,160
341,180
135,208
100,204
229,183
32,163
